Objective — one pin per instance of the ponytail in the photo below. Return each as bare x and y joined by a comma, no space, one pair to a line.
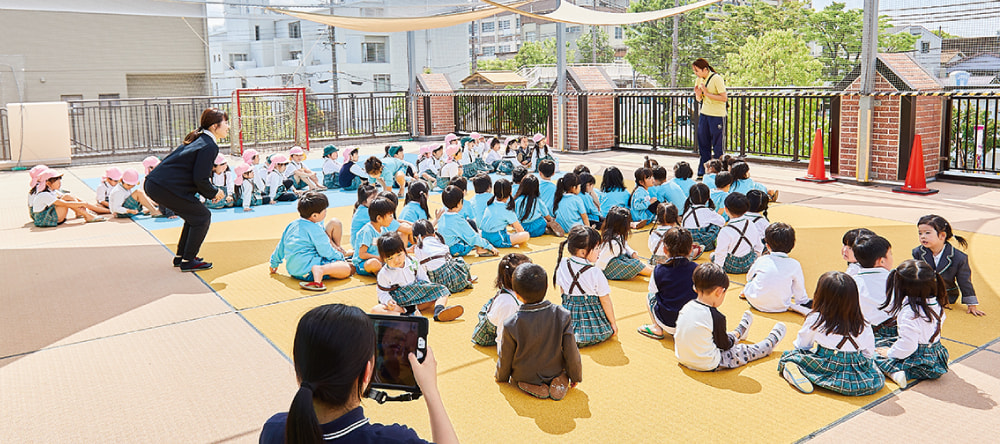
941,225
302,424
562,246
209,117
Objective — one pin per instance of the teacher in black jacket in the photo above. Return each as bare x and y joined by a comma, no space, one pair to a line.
183,173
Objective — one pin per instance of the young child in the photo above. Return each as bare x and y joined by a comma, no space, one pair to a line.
613,192
700,217
524,153
919,297
489,330
712,168
467,159
531,211
224,179
395,169
497,217
701,342
666,218
148,164
493,157
127,199
591,200
516,176
352,174
302,176
723,181
468,210
739,242
617,259
775,282
246,193
935,233
640,202
567,205
49,206
415,206
277,187
842,361
434,261
331,167
306,247
404,228
509,158
742,183
683,177
546,187
366,255
542,365
847,251
456,230
585,290
672,285
482,185
400,292
665,190
541,152
757,211
451,167
110,180
366,192
874,255
429,163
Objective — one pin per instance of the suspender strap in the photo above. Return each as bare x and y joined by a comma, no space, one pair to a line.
742,238
428,259
576,277
937,331
848,339
392,288
694,213
659,244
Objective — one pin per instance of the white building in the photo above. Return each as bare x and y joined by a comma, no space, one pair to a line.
257,48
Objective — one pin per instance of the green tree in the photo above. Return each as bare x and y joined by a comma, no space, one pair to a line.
837,31
901,41
650,43
497,65
584,47
738,23
777,58
542,52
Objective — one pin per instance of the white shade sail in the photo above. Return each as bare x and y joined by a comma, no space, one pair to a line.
573,14
397,24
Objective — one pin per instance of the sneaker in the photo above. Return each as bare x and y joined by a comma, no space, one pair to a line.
449,313
559,386
195,265
779,331
312,286
748,319
793,374
900,379
696,252
538,391
177,260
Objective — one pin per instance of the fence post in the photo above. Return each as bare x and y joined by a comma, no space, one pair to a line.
795,134
656,123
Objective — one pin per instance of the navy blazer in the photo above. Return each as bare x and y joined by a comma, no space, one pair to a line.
188,169
955,270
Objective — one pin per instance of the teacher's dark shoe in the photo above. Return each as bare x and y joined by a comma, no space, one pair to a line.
177,260
195,265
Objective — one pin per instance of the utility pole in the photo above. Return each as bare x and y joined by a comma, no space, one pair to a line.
561,83
335,79
475,48
674,51
593,41
869,53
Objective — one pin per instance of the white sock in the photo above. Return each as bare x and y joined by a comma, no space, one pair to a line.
743,329
777,333
899,378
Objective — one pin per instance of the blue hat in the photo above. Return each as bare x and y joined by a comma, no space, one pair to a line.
393,150
328,150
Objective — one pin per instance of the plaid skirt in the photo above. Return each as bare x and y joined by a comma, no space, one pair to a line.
442,182
623,267
454,275
847,373
418,293
739,264
885,336
485,333
331,181
254,201
504,166
354,184
46,218
706,236
469,170
657,259
208,203
482,166
929,361
590,323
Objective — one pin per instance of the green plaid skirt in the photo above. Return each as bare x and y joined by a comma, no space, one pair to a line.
739,264
217,205
590,323
706,236
623,267
929,361
485,333
469,170
454,275
505,167
418,293
46,218
847,373
482,166
885,336
331,181
354,184
254,201
442,182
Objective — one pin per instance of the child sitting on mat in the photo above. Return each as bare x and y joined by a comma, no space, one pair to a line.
546,187
683,177
664,190
847,251
874,255
757,211
110,180
567,205
366,257
700,217
352,174
483,187
723,182
742,183
301,175
617,259
224,179
457,231
585,290
331,167
489,329
398,289
775,282
277,187
497,217
468,210
666,218
127,199
429,163
542,365
49,206
613,190
415,205
739,243
246,192
434,261
365,192
671,286
934,233
535,217
306,248
640,201
591,200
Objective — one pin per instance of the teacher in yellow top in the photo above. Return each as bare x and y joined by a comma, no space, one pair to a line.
710,91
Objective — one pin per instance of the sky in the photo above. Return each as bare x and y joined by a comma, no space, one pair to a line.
959,17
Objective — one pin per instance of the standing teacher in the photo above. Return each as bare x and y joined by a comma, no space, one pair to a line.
710,90
183,173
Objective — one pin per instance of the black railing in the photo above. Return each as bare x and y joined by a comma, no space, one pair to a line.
351,115
503,113
972,144
664,120
4,136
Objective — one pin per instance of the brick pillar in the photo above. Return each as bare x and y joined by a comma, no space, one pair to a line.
439,108
590,118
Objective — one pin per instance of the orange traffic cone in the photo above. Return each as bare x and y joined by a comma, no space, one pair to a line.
817,166
915,183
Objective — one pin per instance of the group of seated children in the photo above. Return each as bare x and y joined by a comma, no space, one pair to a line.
475,154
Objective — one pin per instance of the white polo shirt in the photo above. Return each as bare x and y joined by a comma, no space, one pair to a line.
775,282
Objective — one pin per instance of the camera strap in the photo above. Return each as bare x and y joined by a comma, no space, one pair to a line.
382,397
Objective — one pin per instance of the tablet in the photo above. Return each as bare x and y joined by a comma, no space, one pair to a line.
395,338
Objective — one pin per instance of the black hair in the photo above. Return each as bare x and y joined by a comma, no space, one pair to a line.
388,244
505,271
868,249
585,179
579,238
649,163
666,213
837,302
660,173
737,204
365,191
729,160
723,179
380,206
912,283
709,276
209,117
511,142
699,195
332,348
539,146
417,192
616,226
780,237
460,182
740,170
563,185
612,180
392,198
941,225
528,189
312,202
757,201
682,170
546,168
451,197
678,243
501,191
640,174
529,282
481,183
423,228
851,235
373,165
715,165
581,168
518,173
495,141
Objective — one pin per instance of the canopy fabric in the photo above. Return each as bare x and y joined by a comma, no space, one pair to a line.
397,24
573,14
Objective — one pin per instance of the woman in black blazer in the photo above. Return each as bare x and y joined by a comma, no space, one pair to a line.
184,173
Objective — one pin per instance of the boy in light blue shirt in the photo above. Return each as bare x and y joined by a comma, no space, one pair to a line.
722,181
366,258
666,190
457,231
546,187
483,186
307,249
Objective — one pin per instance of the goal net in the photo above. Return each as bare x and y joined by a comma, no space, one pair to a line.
268,119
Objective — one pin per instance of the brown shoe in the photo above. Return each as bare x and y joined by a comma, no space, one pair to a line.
449,313
557,229
538,391
559,387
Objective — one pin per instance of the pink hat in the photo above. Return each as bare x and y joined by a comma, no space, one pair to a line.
150,162
130,177
44,176
537,137
426,149
240,171
489,142
449,138
452,150
113,173
35,171
276,159
249,154
295,150
509,139
220,159
348,151
476,135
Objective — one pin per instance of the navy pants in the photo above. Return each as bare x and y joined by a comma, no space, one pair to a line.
711,139
197,218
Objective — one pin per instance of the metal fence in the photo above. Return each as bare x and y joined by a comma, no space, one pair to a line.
971,132
664,120
4,136
352,115
503,112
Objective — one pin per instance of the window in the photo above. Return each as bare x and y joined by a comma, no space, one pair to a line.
530,36
488,26
233,58
504,25
925,47
256,32
294,55
618,32
286,79
517,21
294,30
503,49
489,50
373,50
381,82
243,83
573,29
109,99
